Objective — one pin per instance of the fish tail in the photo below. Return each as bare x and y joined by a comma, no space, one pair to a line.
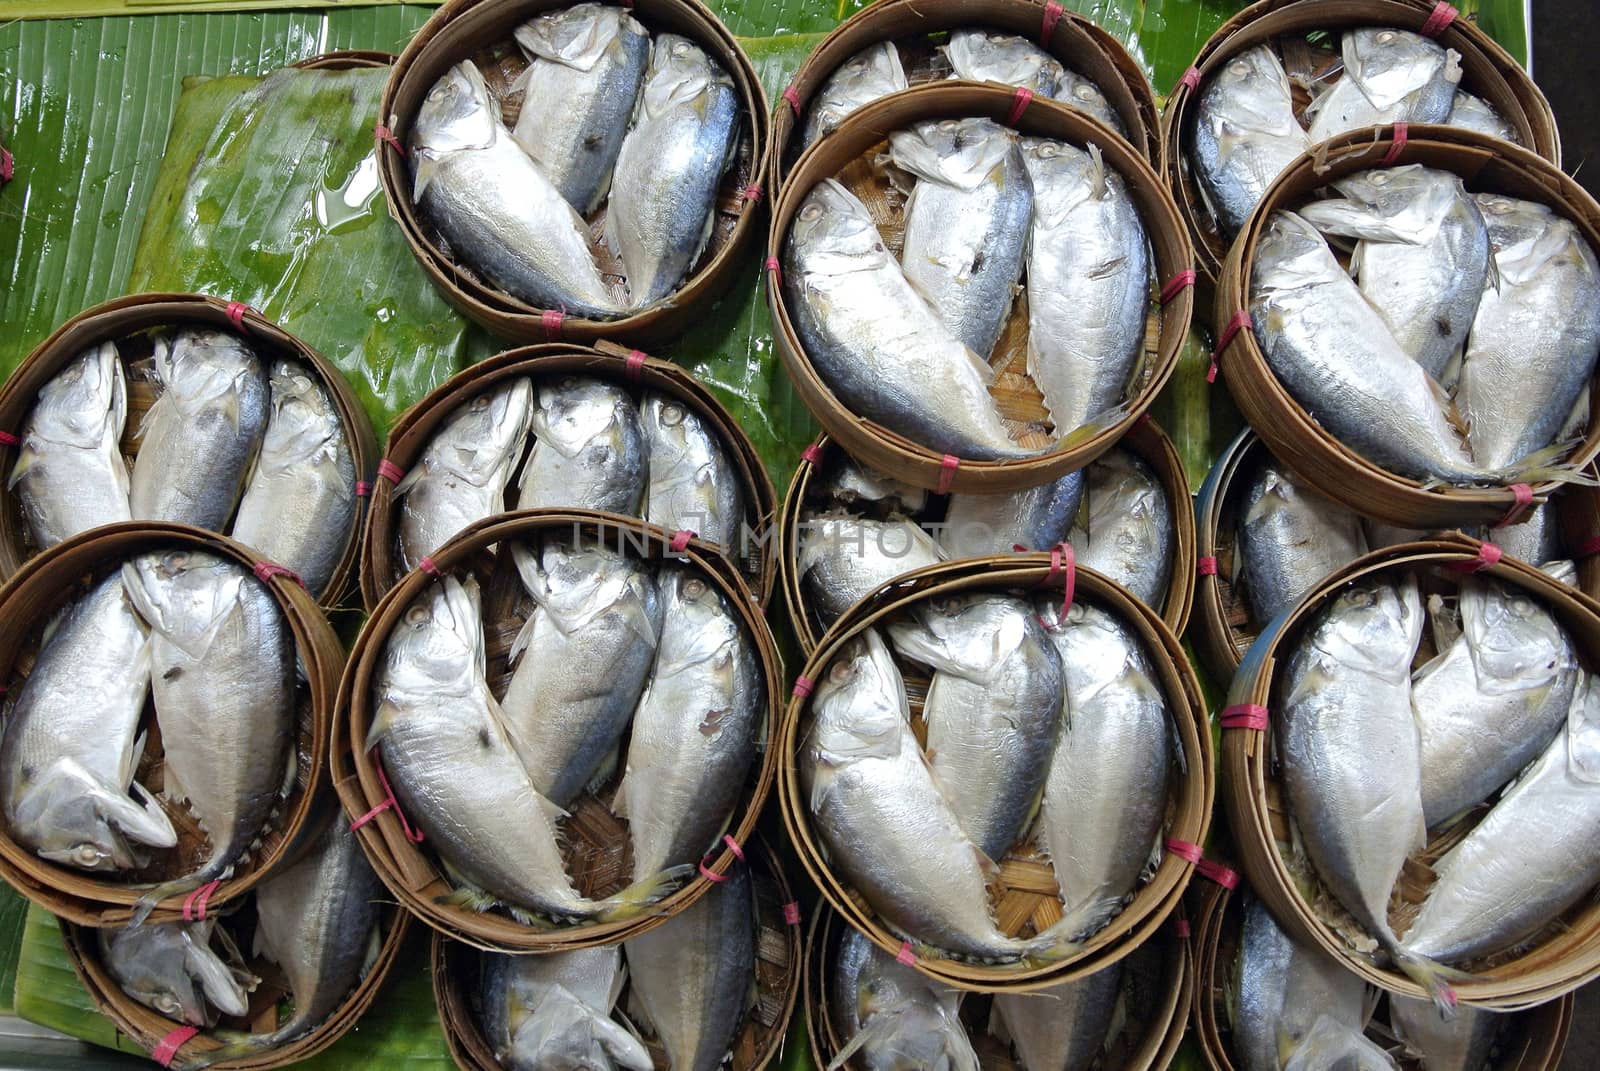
178,887
1433,977
640,895
1053,945
1546,465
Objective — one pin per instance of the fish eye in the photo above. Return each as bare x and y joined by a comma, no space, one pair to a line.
1385,37
672,414
1380,179
418,616
1049,151
1085,92
681,48
811,212
840,672
1239,68
86,855
998,38
694,588
949,124
948,606
1498,206
167,1004
479,404
175,560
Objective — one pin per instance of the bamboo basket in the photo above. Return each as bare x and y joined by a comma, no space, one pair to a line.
847,153
1146,440
1487,71
482,30
1293,435
760,1040
1157,1002
150,1029
1024,897
1533,1041
351,59
1081,44
1557,959
127,319
27,602
412,432
1226,627
595,844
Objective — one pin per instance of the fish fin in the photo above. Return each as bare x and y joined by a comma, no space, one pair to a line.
138,597
990,869
27,456
423,168
524,637
171,787
218,982
1434,978
144,822
636,898
619,802
383,721
1051,946
410,479
1543,466
631,608
153,897
468,896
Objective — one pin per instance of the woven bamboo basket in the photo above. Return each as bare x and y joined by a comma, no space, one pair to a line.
595,843
760,1040
916,28
1158,985
1557,959
847,154
1146,440
128,321
409,438
1226,627
350,59
481,30
27,602
1487,71
1024,898
1294,436
1532,1041
150,1029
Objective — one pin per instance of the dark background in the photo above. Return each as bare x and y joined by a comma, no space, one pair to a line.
1564,66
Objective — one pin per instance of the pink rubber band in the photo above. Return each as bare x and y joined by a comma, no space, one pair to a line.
680,540
427,566
550,320
634,364
363,489
1190,78
1245,716
1488,554
1401,132
1239,321
905,955
168,1048
775,270
803,686
733,846
194,906
947,472
8,439
236,311
1019,104
8,165
386,136
813,453
1589,547
793,98
1524,499
752,193
1206,566
388,470
1440,18
1052,15
267,570
415,836
791,913
1063,561
1178,284
1227,877
1181,928
711,875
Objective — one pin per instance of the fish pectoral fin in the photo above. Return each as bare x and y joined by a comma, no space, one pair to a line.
410,479
217,981
383,721
990,869
27,457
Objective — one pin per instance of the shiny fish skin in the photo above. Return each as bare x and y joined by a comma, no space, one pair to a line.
201,435
990,56
966,223
1082,93
171,968
842,558
498,210
876,342
1290,537
683,138
553,1012
589,450
69,752
1062,1027
1537,539
693,974
300,504
1129,529
1036,519
1459,1044
222,673
1473,113
873,72
1491,702
1245,135
582,659
1534,342
1423,258
693,484
69,475
697,729
994,708
462,474
1105,796
1088,283
891,1017
850,484
587,63
1389,76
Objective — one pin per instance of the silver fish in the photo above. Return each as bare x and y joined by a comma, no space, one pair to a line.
694,974
843,558
1106,793
69,475
1290,537
873,72
222,673
1533,345
1537,539
202,433
850,484
1245,134
1088,283
893,1018
1423,258
698,727
1462,1043
589,450
994,708
553,1012
1063,1027
462,475
683,138
1332,1044
499,211
1127,528
693,482
1474,113
875,340
888,829
1488,704
586,66
966,222
1530,858
1035,519
1279,989
1350,756
300,503
1390,76
991,56
72,740
171,968
1082,93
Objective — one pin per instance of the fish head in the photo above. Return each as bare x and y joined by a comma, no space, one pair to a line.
72,829
577,580
83,401
849,482
1248,94
1583,730
970,635
456,115
171,968
184,595
709,634
1064,178
956,152
860,704
1390,64
485,435
576,413
876,68
668,421
681,73
1293,254
833,233
1373,626
1514,640
1526,237
303,423
575,36
199,365
1399,204
437,646
992,56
